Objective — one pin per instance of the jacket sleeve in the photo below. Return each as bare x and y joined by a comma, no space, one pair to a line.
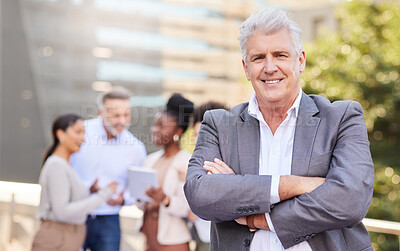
222,197
343,200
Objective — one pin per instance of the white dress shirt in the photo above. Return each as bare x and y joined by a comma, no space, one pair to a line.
107,160
276,160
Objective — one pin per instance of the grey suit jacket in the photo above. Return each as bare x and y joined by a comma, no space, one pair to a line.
330,141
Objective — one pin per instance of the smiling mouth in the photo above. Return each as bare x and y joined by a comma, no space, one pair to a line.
271,81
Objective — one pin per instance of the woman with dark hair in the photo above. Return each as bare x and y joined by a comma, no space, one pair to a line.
164,222
65,200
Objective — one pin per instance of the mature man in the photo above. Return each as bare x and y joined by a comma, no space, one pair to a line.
108,151
304,173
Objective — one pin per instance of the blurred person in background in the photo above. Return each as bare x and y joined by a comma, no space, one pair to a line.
164,223
201,228
65,200
198,115
108,151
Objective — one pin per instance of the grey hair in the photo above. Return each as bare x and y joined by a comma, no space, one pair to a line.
269,21
117,92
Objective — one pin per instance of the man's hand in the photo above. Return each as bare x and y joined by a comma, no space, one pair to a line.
242,220
119,201
217,167
289,187
259,221
95,186
113,186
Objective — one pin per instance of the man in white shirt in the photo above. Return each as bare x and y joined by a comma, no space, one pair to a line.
109,149
288,170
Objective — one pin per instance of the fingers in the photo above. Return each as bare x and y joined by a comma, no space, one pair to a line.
95,186
227,169
217,167
113,185
155,193
114,202
148,193
152,189
242,220
211,167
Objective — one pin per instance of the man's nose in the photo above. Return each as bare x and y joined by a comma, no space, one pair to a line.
122,119
270,66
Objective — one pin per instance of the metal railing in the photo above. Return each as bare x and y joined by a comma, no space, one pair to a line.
18,226
383,226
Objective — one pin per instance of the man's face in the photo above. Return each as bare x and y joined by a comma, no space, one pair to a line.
116,115
273,66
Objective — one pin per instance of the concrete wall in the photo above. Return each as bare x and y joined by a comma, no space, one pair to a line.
22,143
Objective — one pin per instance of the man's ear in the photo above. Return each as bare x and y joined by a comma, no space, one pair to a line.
302,60
101,112
246,70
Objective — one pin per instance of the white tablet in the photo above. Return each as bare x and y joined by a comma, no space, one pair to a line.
139,180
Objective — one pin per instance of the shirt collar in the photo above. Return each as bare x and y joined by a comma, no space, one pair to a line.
254,109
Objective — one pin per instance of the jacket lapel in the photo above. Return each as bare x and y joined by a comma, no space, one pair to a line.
248,131
304,137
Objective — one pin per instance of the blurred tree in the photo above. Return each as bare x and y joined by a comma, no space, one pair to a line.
385,204
187,140
361,61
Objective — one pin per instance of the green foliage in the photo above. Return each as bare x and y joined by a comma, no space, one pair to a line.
362,62
187,140
386,201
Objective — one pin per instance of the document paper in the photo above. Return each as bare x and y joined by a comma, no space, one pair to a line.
140,179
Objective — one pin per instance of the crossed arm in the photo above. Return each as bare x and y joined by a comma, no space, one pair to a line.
289,187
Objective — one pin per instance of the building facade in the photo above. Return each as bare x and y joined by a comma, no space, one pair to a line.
58,55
